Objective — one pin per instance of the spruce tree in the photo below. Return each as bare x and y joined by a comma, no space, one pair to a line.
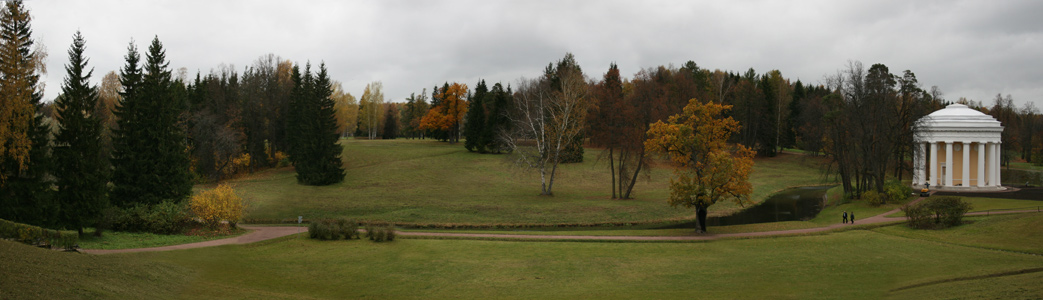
294,118
150,155
126,156
25,191
390,122
79,170
496,120
475,123
314,150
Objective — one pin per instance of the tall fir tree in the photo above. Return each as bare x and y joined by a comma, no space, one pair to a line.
80,172
150,152
295,118
390,122
475,124
314,150
25,191
496,119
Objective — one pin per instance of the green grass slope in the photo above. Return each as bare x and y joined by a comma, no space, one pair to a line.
33,273
862,264
428,182
973,260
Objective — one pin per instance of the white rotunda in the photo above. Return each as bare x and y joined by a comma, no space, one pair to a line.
962,149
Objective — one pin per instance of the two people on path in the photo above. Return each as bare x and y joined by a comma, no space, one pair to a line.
846,217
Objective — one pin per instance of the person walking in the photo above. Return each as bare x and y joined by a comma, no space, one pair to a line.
845,217
852,217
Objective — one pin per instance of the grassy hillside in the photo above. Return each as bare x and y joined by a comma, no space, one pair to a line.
428,182
33,273
973,260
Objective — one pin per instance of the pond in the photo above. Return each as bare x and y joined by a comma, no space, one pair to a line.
795,204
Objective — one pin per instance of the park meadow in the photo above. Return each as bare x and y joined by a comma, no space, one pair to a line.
273,181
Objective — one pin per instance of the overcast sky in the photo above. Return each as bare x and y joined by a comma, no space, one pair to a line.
972,49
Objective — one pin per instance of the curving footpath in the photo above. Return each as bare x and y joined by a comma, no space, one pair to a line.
261,233
256,234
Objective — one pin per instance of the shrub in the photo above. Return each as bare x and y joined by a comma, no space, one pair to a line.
896,191
918,215
380,232
34,235
167,217
937,212
333,229
949,210
220,203
873,198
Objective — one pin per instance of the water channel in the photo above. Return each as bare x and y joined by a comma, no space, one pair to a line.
795,204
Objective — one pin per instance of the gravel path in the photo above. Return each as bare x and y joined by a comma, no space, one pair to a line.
261,233
257,234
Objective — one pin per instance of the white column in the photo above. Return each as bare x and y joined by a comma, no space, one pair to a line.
919,166
981,164
996,164
966,179
948,164
934,164
993,158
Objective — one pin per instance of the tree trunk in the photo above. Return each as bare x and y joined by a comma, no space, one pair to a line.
637,171
612,169
700,216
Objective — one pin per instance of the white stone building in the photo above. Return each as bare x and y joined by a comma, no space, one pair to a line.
962,149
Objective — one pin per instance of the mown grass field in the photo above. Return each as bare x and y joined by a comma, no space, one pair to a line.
858,264
429,182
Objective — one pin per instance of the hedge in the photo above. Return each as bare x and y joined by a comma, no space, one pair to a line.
34,235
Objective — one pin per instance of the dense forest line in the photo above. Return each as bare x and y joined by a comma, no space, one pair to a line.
271,114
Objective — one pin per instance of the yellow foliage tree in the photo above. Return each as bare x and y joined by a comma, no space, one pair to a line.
449,114
347,110
221,203
707,169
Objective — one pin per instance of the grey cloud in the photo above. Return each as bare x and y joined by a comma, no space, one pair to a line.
971,49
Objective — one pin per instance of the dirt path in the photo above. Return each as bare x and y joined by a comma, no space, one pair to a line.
261,233
256,234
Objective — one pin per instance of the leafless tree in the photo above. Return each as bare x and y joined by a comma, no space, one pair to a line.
548,116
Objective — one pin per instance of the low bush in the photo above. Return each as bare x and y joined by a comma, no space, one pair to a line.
221,203
167,217
380,232
333,229
937,212
896,191
873,198
34,235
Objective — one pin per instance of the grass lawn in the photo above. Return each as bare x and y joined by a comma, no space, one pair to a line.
1026,166
863,264
1014,232
429,182
34,273
127,240
994,204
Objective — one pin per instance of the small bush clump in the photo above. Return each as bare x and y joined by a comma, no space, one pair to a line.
167,217
333,229
873,198
380,232
936,212
218,204
896,191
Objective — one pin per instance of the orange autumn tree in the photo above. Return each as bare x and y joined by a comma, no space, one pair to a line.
449,113
707,169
